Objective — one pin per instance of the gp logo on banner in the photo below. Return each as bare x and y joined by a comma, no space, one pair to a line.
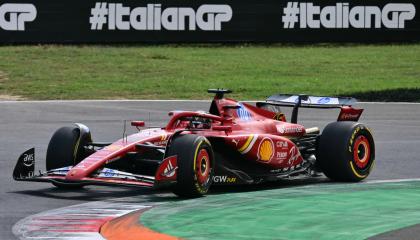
343,15
116,16
13,16
209,21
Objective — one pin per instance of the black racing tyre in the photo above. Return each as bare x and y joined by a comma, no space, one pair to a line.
196,163
63,150
346,151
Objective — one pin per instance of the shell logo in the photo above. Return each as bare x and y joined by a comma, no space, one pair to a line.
266,150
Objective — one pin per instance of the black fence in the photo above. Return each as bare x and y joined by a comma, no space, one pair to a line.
138,21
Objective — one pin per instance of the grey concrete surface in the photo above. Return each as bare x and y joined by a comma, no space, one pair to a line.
396,128
408,233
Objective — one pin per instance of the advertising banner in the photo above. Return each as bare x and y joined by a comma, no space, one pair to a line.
200,21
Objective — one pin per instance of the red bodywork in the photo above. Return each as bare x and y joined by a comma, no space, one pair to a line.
250,130
251,134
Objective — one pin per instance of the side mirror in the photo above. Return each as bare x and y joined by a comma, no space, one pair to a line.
237,106
137,123
222,128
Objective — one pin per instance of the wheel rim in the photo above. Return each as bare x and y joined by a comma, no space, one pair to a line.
203,166
361,152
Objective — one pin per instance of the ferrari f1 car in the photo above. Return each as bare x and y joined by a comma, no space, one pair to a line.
232,143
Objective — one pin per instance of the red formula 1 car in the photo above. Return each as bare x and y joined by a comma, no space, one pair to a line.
232,143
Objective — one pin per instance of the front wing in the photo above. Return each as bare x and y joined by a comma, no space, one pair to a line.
25,167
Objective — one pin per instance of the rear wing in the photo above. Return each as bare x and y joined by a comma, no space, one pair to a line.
310,101
347,113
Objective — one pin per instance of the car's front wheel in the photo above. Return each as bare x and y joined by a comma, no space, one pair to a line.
195,161
66,149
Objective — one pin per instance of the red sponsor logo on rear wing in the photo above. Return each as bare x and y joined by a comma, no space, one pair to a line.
349,114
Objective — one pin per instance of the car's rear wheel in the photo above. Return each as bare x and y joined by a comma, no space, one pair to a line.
195,161
65,149
346,151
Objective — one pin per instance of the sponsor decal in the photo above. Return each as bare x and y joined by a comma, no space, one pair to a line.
248,144
14,16
266,150
111,160
289,129
349,116
282,148
280,129
279,117
224,179
112,173
243,113
281,156
109,172
169,170
352,138
294,155
313,100
282,145
343,16
235,142
155,17
324,100
162,141
28,160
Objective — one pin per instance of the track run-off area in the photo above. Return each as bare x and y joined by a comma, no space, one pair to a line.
309,209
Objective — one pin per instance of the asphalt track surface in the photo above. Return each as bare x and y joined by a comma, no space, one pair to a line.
396,128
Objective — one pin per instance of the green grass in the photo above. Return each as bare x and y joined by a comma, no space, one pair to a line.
185,72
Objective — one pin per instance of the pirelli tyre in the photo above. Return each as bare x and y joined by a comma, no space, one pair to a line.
346,151
195,161
66,149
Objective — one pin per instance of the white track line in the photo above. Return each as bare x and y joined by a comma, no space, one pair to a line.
394,180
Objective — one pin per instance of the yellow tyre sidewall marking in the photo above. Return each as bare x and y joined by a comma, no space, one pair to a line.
196,153
355,172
